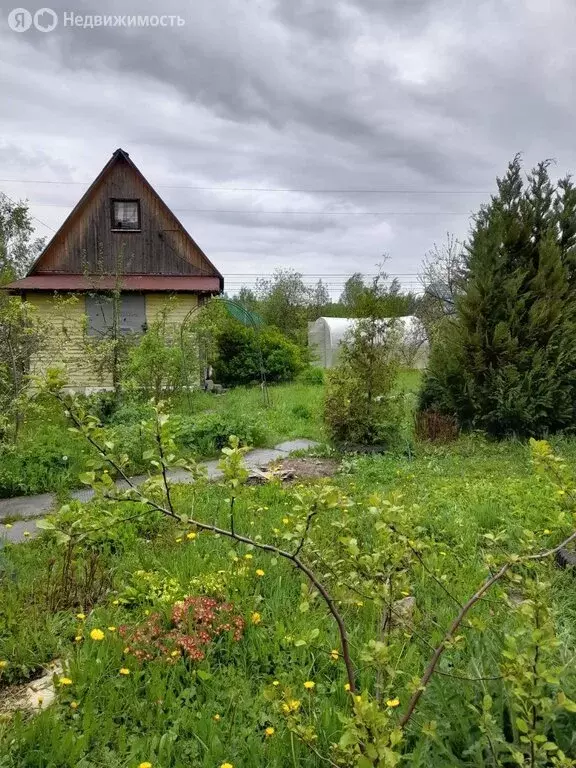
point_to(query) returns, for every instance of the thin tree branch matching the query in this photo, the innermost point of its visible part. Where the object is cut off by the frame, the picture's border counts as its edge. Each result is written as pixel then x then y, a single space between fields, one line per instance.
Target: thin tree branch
pixel 430 669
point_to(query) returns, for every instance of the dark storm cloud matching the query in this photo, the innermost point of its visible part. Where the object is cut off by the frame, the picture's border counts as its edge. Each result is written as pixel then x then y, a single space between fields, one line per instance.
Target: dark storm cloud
pixel 424 96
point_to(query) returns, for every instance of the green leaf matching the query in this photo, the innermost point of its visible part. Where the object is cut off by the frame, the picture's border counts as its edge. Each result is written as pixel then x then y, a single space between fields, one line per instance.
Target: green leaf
pixel 522 725
pixel 569 705
pixel 87 478
pixel 45 525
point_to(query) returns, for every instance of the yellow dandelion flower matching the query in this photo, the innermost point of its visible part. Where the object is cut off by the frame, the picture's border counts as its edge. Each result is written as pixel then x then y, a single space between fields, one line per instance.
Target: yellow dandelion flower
pixel 97 634
pixel 309 685
pixel 178 540
pixel 26 533
pixel 216 718
pixel 73 705
pixel 65 681
pixel 547 531
pixel 81 616
pixel 124 671
pixel 256 618
pixel 111 629
pixel 248 556
pixel 126 650
pixel 175 653
pixel 78 638
pixel 285 520
pixel 145 765
pixel 347 687
pixel 115 602
pixel 334 654
pixel 8 525
pixel 292 705
pixel 393 703
pixel 3 664
pixel 226 765
pixel 269 731
pixel 259 572
pixel 276 683
pixel 192 535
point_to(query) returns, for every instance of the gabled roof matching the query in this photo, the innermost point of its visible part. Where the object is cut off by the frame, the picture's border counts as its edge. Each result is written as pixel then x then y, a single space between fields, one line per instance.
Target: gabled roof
pixel 52 254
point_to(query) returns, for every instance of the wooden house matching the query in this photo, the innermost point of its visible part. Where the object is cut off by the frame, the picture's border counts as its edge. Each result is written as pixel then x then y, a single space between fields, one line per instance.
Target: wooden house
pixel 121 238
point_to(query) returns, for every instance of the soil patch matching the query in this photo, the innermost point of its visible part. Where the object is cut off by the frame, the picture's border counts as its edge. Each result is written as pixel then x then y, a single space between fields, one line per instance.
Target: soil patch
pixel 289 470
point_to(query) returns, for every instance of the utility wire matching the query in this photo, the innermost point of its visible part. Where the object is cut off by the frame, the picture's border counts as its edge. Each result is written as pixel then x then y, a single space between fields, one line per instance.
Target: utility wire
pixel 291 213
pixel 279 189
pixel 33 217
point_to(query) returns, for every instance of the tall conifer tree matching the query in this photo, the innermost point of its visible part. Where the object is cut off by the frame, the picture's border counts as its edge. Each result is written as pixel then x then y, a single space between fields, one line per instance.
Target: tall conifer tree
pixel 506 362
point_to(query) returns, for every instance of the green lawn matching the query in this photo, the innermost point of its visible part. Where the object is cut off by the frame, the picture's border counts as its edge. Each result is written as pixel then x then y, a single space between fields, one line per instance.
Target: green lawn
pixel 456 505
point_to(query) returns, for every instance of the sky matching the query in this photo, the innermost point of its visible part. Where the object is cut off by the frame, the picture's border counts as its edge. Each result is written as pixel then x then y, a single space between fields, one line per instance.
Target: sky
pixel 316 135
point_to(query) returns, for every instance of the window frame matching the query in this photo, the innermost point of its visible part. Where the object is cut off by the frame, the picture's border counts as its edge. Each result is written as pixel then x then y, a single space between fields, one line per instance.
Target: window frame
pixel 113 202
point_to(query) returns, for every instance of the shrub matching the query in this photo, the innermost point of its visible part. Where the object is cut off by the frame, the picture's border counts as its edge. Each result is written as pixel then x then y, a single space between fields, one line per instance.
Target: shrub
pixel 195 623
pixel 311 375
pixel 360 407
pixel 302 411
pixel 208 433
pixel 243 351
pixel 158 363
pixel 48 459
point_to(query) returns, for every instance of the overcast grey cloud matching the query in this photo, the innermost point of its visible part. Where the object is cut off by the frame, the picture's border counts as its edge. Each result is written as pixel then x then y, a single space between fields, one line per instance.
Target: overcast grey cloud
pixel 423 100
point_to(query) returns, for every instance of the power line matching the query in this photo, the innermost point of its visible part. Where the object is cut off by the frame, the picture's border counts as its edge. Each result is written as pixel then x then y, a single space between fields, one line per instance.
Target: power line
pixel 33 217
pixel 278 189
pixel 293 213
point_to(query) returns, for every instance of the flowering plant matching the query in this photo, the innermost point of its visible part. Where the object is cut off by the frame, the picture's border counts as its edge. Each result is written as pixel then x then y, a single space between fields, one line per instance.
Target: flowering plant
pixel 195 623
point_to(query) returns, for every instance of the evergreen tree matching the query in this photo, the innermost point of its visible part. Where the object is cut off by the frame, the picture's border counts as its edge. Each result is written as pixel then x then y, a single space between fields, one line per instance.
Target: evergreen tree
pixel 506 361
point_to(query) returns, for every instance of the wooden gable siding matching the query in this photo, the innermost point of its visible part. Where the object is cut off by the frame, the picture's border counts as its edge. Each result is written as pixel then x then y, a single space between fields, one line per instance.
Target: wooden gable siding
pixel 87 243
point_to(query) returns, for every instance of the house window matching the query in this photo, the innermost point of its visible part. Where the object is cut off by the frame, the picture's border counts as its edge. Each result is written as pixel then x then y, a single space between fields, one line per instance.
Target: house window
pixel 126 215
pixel 100 312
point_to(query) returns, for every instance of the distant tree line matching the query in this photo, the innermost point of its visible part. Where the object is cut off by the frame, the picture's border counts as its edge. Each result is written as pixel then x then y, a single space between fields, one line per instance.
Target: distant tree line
pixel 287 303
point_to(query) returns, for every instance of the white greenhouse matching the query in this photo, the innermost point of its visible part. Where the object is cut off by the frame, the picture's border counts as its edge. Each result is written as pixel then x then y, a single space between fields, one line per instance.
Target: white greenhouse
pixel 327 333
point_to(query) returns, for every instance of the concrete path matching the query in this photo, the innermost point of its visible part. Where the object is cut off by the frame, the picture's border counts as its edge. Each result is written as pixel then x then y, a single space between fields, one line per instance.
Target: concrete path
pixel 25 510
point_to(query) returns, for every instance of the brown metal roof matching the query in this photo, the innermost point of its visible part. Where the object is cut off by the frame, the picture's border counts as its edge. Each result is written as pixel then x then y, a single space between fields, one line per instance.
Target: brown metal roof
pixel 46 282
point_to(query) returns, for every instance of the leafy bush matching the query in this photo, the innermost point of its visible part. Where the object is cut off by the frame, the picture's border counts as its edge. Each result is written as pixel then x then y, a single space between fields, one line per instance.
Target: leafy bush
pixel 131 412
pixel 158 363
pixel 209 432
pixel 302 411
pixel 48 459
pixel 311 375
pixel 243 351
pixel 360 406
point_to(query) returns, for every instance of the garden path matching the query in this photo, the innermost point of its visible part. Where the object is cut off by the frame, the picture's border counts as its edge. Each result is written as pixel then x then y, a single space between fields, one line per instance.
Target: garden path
pixel 25 510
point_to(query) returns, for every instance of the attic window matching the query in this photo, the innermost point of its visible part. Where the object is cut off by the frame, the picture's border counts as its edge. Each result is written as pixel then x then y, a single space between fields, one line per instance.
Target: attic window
pixel 126 215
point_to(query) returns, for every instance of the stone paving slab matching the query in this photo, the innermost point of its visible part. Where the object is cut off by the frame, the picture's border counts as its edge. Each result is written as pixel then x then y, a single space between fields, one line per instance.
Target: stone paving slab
pixel 297 445
pixel 34 507
pixel 26 506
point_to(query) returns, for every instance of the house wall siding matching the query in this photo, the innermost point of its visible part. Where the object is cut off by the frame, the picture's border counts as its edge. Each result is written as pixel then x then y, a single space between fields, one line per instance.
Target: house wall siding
pixel 65 348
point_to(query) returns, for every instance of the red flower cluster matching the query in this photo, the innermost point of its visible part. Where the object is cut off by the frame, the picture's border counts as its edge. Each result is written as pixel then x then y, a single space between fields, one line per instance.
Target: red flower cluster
pixel 195 623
